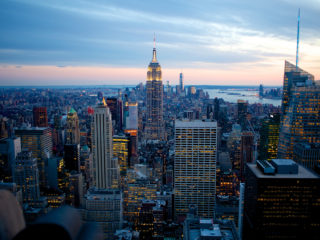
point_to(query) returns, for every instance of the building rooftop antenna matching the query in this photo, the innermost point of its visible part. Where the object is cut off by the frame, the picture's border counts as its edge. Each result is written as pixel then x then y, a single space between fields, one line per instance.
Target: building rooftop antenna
pixel 298 35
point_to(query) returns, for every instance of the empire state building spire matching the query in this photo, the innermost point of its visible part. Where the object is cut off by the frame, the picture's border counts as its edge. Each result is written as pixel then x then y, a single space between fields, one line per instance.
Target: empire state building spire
pixel 154 56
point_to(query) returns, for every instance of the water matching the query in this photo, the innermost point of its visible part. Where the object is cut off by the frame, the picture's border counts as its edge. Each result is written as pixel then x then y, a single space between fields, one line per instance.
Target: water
pixel 232 95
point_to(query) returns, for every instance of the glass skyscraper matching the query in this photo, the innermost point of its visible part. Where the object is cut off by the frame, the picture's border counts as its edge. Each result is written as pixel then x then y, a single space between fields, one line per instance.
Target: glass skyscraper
pixel 300 119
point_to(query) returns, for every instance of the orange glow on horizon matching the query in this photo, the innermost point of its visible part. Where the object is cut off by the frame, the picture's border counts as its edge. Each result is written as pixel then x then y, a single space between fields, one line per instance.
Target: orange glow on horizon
pixel 238 74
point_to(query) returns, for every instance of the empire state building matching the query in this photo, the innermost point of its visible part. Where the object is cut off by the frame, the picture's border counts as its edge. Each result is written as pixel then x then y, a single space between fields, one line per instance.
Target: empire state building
pixel 154 124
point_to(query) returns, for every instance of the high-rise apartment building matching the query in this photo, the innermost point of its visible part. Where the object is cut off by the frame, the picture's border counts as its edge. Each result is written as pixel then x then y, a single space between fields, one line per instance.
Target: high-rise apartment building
pixel 154 124
pixel 281 201
pixel 300 119
pixel 38 141
pixel 195 167
pixel 73 130
pixel 40 117
pixel 106 173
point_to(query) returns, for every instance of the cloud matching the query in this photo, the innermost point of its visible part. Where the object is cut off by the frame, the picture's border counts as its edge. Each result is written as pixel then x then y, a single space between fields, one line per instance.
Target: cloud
pixel 196 35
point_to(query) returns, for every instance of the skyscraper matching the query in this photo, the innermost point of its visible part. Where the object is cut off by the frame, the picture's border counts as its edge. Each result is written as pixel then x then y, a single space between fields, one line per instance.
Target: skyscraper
pixel 300 111
pixel 246 152
pixel 40 118
pixel 195 167
pixel 115 106
pixel 39 142
pixel 26 176
pixel 269 137
pixel 73 130
pixel 154 123
pixel 281 201
pixel 105 166
pixel 242 113
pixel 181 83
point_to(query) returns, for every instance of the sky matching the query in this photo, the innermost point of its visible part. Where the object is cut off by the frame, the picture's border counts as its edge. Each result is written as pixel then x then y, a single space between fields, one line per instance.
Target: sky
pixel 99 42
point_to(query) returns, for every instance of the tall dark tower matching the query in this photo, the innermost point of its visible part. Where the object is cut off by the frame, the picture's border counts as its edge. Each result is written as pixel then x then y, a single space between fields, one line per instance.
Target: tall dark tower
pixel 154 124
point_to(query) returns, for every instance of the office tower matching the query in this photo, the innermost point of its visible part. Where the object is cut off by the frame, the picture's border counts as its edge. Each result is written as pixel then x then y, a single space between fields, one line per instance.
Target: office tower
pixel 121 153
pixel 241 206
pixel 9 148
pixel 216 107
pixel 75 189
pixel 281 201
pixel 53 169
pixel 86 164
pixel 195 167
pixel 105 166
pixel 300 111
pixel 261 91
pixel 72 157
pixel 308 155
pixel 269 137
pixel 40 118
pixel 181 83
pixel 138 187
pixel 154 125
pixel 105 208
pixel 115 106
pixel 246 152
pixel 242 113
pixel 26 176
pixel 39 142
pixel 73 130
pixel 210 112
pixel 131 116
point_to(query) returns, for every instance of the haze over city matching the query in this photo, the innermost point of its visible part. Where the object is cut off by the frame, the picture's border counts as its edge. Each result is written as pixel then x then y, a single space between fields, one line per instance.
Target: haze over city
pixel 102 43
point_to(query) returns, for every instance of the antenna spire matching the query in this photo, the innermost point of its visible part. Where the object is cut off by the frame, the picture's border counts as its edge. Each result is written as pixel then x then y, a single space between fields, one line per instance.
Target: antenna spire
pixel 298 35
pixel 154 40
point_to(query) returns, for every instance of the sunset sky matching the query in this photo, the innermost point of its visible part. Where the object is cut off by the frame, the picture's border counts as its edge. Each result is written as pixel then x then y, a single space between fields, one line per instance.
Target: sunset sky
pixel 230 42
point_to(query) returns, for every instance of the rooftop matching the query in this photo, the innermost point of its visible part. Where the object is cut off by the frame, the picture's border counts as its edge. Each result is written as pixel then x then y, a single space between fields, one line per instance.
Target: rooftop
pixel 194 124
pixel 302 173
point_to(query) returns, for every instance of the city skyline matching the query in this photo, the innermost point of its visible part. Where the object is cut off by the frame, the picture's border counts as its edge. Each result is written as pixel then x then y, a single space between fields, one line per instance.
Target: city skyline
pixel 80 42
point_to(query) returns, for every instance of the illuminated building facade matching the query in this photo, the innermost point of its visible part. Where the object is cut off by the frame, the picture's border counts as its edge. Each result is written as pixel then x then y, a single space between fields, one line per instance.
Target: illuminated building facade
pixel 40 118
pixel 105 166
pixel 300 119
pixel 121 153
pixel 39 142
pixel 138 187
pixel 73 130
pixel 26 176
pixel 154 124
pixel 195 167
pixel 282 201
pixel 269 137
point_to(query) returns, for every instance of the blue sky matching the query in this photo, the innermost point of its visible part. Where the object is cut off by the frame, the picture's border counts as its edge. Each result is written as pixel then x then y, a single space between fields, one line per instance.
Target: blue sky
pixel 213 42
